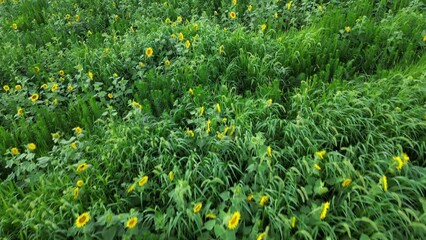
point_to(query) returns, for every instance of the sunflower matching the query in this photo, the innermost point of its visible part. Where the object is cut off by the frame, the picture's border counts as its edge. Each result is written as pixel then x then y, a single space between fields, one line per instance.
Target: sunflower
pixel 20 112
pixel 131 223
pixel 261 236
pixel 54 87
pixel 324 210
pixel 149 52
pixel 14 26
pixel 34 97
pixel 75 193
pixel 201 110
pixel 187 44
pixel 320 154
pixel 405 158
pixel 61 73
pixel 110 96
pixel 220 136
pixel 14 151
pixel 232 15
pixel 180 36
pixel 36 69
pixel 31 146
pixel 82 220
pixel 210 216
pixel 198 207
pixel 263 200
pixel 208 126
pixel 90 75
pixel 317 167
pixel 385 183
pixel 143 181
pixel 346 182
pixel 269 150
pixel 77 18
pixel 249 8
pixel 82 167
pixel 263 27
pixel 80 183
pixel 250 197
pixel 347 29
pixel 78 130
pixel 171 175
pixel 293 222
pixel 289 5
pixel 167 63
pixel 136 104
pixel 18 87
pixel 218 107
pixel 55 135
pixel 131 188
pixel 233 222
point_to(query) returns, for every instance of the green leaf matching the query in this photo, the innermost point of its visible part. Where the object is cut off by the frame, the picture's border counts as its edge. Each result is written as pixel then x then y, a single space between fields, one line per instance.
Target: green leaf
pixel 209 224
pixel 109 233
pixel 364 237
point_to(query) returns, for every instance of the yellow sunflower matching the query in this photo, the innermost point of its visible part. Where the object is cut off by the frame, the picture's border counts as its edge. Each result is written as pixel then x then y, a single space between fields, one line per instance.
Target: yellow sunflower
pixel 232 15
pixel 78 130
pixel 269 150
pixel 320 154
pixel 233 222
pixel 75 193
pixel 143 181
pixel 34 97
pixel 324 210
pixel 80 183
pixel 31 146
pixel 261 236
pixel 131 223
pixel 82 220
pixel 14 151
pixel 346 182
pixel 263 200
pixel 82 167
pixel 198 207
pixel 131 188
pixel 149 52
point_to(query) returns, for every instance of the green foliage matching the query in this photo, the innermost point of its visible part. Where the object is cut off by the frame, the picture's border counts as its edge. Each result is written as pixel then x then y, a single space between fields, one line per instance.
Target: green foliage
pixel 298 119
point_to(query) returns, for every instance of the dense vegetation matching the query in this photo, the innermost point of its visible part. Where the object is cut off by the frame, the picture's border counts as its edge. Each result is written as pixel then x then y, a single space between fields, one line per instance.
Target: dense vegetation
pixel 204 119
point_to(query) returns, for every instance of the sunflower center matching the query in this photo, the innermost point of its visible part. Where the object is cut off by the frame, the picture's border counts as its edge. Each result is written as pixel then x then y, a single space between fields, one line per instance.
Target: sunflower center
pixel 82 219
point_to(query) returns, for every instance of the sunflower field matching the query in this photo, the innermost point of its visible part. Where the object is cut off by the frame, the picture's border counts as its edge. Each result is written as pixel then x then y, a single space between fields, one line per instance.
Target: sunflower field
pixel 213 119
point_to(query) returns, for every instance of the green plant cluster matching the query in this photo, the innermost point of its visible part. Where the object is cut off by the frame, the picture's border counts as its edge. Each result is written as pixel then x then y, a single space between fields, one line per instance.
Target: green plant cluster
pixel 236 119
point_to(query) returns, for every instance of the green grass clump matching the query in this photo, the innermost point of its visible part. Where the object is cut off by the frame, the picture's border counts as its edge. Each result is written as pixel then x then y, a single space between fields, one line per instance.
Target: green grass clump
pixel 175 120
